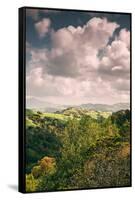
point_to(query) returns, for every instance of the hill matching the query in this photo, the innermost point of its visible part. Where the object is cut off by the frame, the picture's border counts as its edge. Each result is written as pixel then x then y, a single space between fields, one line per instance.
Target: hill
pixel 105 107
pixel 79 112
pixel 43 106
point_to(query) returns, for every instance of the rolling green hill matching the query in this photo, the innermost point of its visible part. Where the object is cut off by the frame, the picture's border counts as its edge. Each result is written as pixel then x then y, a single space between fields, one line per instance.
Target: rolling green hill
pixel 78 112
pixel 65 114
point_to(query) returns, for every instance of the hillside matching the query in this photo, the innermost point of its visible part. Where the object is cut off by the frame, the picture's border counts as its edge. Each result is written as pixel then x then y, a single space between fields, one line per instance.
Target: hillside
pixel 69 113
pixel 79 112
pixel 77 148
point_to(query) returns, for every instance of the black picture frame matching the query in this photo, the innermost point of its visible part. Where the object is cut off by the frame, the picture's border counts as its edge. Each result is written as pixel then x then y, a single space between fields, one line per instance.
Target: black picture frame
pixel 22 97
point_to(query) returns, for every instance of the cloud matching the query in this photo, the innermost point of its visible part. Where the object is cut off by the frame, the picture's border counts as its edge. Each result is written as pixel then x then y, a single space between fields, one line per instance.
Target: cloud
pixel 72 70
pixel 35 13
pixel 75 49
pixel 43 27
pixel 122 85
pixel 38 84
pixel 114 67
pixel 95 33
pixel 124 36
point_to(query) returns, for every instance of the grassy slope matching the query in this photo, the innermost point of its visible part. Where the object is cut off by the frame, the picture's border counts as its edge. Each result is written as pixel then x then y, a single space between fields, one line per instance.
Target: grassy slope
pixel 77 113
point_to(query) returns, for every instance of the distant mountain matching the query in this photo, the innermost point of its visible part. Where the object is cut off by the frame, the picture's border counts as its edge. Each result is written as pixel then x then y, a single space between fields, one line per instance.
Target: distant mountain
pixel 106 107
pixel 36 104
pixel 44 106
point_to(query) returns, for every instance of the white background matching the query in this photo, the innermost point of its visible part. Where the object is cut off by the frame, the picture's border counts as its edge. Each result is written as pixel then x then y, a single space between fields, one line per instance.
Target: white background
pixel 9 99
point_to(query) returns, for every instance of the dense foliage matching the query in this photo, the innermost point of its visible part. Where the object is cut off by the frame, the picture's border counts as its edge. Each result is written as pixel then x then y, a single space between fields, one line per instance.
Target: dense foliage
pixel 75 149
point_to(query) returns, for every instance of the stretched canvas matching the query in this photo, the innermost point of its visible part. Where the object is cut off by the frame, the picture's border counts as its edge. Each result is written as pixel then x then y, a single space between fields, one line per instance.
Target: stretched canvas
pixel 74 99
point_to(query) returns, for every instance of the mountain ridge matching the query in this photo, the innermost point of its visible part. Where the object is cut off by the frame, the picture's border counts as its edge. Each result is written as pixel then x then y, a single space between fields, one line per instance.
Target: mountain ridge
pixel 50 107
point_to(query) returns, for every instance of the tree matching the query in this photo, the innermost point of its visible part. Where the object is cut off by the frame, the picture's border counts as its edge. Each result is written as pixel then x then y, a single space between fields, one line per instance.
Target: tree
pixel 31 183
pixel 47 165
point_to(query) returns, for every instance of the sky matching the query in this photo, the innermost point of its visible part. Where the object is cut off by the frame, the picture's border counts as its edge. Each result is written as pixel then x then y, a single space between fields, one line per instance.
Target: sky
pixel 79 57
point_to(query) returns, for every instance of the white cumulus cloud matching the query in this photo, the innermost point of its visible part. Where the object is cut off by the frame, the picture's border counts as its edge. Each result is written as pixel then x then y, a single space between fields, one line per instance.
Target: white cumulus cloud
pixel 43 26
pixel 72 70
